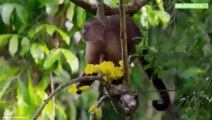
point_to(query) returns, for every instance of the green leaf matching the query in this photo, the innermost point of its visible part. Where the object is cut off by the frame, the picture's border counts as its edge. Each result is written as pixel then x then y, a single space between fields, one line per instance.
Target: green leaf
pixel 160 4
pixel 6 78
pixel 194 71
pixel 81 16
pixel 5 85
pixel 50 29
pixel 60 2
pixel 207 49
pixel 52 8
pixel 22 14
pixel 4 39
pixel 32 93
pixel 61 111
pixel 52 57
pixel 70 11
pixel 48 109
pixel 144 17
pixel 164 17
pixel 64 36
pixel 71 59
pixel 73 110
pixel 21 93
pixel 25 46
pixel 35 30
pixel 13 45
pixel 38 51
pixel 44 82
pixel 39 28
pixel 7 12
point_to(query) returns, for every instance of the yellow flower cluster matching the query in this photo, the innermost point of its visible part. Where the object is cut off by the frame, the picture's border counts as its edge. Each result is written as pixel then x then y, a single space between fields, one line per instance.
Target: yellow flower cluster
pixel 96 110
pixel 107 68
pixel 74 89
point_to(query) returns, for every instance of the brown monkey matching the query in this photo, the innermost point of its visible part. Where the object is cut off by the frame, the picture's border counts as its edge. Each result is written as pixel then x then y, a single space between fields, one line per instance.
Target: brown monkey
pixel 103 39
pixel 103 43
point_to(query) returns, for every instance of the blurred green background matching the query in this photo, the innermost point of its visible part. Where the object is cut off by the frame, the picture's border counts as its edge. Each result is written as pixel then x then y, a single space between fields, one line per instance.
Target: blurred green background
pixel 40 42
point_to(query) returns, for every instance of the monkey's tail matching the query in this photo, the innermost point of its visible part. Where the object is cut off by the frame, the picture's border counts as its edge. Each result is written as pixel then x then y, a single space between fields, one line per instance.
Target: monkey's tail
pixel 164 101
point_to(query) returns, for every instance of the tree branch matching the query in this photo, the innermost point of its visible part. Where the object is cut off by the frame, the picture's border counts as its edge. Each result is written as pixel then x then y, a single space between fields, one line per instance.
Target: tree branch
pixel 123 39
pixel 130 8
pixel 100 101
pixel 100 10
pixel 53 100
pixel 59 88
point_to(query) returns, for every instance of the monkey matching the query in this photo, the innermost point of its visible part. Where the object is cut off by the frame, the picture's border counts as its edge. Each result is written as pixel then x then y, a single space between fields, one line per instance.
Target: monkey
pixel 102 40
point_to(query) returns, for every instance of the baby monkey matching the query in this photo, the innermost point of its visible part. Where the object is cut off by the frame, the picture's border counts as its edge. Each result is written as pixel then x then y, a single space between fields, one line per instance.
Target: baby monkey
pixel 103 44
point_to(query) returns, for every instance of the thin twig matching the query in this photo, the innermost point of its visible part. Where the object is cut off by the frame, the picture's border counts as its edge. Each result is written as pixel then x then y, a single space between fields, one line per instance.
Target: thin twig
pixel 150 91
pixel 59 88
pixel 123 39
pixel 101 100
pixel 53 99
pixel 92 116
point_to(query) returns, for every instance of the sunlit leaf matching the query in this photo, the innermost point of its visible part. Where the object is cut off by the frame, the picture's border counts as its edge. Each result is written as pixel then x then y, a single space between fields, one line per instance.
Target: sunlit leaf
pixel 38 51
pixel 164 17
pixel 193 72
pixel 48 109
pixel 21 93
pixel 52 57
pixel 6 79
pixel 13 45
pixel 5 86
pixel 144 17
pixel 160 4
pixel 64 36
pixel 4 39
pixel 80 16
pixel 52 8
pixel 25 46
pixel 72 60
pixel 70 11
pixel 60 2
pixel 7 12
pixel 33 101
pixel 50 29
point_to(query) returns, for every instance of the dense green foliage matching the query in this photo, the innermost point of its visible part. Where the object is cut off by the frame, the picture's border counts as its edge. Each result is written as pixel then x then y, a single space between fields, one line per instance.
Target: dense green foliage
pixel 40 42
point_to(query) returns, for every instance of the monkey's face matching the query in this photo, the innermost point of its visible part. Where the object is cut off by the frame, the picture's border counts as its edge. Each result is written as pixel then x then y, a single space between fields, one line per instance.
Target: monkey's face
pixel 87 34
pixel 92 30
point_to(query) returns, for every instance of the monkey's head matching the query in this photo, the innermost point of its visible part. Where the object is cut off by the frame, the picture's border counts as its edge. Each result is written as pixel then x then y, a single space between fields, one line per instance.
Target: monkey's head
pixel 93 30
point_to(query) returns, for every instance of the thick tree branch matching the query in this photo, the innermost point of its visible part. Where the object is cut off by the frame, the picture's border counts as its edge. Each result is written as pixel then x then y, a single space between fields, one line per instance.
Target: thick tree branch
pixel 130 8
pixel 59 88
